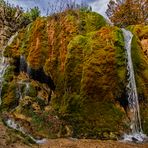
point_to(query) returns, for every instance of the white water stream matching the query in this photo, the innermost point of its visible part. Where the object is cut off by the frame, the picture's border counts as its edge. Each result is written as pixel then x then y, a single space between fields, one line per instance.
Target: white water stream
pixel 12 124
pixel 135 124
pixel 4 63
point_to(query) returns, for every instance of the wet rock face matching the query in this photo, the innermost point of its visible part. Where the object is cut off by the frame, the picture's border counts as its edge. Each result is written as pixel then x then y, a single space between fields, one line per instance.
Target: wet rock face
pixel 83 61
pixel 39 75
pixel 123 100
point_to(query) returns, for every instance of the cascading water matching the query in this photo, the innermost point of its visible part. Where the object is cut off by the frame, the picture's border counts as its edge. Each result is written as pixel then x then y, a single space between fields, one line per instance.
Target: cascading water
pixel 3 66
pixel 4 63
pixel 23 64
pixel 23 68
pixel 135 125
pixel 12 124
pixel 20 85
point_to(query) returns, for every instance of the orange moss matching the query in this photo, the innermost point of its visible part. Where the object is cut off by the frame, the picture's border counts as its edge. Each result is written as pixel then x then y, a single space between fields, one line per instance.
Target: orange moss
pixel 36 56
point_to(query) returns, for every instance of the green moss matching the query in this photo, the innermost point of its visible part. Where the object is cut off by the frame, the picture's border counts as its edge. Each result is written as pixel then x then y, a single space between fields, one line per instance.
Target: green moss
pixel 90 21
pixel 32 92
pixel 91 79
pixel 135 53
pixel 8 76
pixel 120 61
pixel 10 99
pixel 86 60
pixel 141 31
pixel 96 120
pixel 77 49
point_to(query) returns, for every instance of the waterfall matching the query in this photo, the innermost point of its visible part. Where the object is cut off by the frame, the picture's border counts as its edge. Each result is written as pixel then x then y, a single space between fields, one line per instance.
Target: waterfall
pixel 21 83
pixel 23 64
pixel 20 90
pixel 23 68
pixel 3 66
pixel 27 86
pixel 11 39
pixel 4 63
pixel 12 124
pixel 135 124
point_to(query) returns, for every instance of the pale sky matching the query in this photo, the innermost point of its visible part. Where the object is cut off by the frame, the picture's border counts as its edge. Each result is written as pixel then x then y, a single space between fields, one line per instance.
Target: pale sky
pixel 99 6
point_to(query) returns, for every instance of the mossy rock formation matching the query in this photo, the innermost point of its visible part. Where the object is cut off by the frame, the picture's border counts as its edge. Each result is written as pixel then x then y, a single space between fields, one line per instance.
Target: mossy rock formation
pixel 85 59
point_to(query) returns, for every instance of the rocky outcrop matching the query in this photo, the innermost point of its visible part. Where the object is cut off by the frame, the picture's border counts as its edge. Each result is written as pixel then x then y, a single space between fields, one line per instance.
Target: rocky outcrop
pixel 83 61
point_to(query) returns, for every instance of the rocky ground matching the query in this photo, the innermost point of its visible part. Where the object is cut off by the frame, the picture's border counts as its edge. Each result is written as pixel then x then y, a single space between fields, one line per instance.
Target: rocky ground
pixel 69 143
pixel 11 139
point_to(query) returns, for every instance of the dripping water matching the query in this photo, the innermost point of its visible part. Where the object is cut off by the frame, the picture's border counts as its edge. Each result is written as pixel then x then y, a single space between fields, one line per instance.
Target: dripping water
pixel 4 63
pixel 135 123
pixel 27 86
pixel 23 68
pixel 21 92
pixel 23 65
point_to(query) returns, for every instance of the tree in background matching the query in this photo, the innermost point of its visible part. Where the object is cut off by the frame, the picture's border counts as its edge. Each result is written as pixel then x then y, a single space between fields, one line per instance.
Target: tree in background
pixel 14 17
pixel 128 12
pixel 30 16
pixel 62 5
pixel 33 13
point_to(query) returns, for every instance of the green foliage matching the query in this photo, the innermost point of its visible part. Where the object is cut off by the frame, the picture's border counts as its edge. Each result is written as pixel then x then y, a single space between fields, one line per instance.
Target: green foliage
pixel 15 18
pixel 31 15
pixel 86 60
pixel 9 99
pixel 11 14
pixel 8 76
pixel 128 12
pixel 34 13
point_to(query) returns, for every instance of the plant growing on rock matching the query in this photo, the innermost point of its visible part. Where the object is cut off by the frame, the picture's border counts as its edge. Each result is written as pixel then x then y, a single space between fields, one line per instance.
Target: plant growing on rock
pixel 128 12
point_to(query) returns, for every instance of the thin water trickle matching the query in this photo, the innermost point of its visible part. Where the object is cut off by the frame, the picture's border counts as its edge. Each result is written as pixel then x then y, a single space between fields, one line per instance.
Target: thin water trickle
pixel 23 65
pixel 12 124
pixel 4 63
pixel 27 86
pixel 24 92
pixel 135 124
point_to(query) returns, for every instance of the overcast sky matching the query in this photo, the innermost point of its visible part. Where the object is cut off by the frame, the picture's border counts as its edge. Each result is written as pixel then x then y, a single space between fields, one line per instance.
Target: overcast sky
pixel 97 5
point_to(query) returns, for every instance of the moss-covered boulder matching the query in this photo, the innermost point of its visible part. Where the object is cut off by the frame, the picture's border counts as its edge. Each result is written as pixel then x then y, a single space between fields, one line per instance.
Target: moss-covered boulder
pixel 85 60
